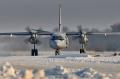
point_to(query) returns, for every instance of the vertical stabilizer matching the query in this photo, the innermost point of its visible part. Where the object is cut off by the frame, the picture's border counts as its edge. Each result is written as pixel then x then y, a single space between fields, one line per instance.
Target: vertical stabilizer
pixel 60 26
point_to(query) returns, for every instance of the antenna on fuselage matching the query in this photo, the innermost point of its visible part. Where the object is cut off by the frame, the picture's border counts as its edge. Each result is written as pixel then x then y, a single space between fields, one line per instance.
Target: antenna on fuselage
pixel 60 26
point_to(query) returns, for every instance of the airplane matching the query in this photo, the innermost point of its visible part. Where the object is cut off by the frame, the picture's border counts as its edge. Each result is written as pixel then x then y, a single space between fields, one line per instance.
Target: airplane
pixel 58 40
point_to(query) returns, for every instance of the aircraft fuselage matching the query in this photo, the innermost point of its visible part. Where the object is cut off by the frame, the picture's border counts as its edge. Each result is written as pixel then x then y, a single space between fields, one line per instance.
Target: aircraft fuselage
pixel 59 41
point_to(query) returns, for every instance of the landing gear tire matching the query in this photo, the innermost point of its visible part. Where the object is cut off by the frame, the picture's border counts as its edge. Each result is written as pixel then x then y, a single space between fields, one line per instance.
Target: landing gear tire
pixel 82 51
pixel 57 52
pixel 34 52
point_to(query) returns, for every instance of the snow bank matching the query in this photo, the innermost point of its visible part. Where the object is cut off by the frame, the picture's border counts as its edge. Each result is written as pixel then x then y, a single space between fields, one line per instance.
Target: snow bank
pixel 57 72
pixel 8 71
pixel 89 73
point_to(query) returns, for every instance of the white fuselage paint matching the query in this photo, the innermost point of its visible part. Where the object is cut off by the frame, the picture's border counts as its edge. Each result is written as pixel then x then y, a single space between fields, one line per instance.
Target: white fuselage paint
pixel 59 41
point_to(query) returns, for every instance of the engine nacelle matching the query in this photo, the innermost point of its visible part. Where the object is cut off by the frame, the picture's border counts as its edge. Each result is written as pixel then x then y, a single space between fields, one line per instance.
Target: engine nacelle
pixel 83 39
pixel 34 39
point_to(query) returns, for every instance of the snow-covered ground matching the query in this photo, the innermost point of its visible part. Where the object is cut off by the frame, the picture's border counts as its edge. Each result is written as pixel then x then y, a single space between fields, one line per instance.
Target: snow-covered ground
pixel 69 65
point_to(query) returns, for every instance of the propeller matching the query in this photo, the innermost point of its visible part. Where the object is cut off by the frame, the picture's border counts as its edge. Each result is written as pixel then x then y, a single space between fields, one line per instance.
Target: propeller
pixel 82 37
pixel 27 40
pixel 80 31
pixel 82 34
pixel 31 39
pixel 38 30
pixel 28 29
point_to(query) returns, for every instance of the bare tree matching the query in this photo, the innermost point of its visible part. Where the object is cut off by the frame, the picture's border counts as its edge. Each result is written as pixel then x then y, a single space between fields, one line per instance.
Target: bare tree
pixel 115 27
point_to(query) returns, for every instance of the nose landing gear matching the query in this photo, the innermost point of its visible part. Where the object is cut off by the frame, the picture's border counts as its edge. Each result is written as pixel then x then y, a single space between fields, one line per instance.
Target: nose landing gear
pixel 57 52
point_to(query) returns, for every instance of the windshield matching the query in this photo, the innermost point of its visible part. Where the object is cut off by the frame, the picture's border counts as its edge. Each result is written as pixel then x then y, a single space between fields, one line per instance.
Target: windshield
pixel 57 38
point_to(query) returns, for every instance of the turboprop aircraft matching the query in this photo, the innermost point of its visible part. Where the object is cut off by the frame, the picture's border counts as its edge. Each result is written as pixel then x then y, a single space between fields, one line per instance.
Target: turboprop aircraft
pixel 58 40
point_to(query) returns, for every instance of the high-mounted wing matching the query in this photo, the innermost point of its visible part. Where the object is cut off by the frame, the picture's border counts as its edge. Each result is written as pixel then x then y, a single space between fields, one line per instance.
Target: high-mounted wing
pixel 93 33
pixel 73 33
pixel 16 33
pixel 110 33
pixel 44 33
pixel 25 33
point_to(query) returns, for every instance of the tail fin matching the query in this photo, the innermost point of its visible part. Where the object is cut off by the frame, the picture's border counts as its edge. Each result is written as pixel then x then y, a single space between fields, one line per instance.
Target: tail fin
pixel 60 26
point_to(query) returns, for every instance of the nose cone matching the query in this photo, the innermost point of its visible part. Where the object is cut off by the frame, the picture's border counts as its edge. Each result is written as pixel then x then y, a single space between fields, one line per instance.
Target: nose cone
pixel 61 44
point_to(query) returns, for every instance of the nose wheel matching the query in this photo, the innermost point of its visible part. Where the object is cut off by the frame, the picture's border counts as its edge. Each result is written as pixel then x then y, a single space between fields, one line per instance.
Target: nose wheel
pixel 57 52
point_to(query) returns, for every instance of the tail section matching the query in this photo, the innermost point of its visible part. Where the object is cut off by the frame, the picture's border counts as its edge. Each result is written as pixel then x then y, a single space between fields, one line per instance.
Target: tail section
pixel 60 26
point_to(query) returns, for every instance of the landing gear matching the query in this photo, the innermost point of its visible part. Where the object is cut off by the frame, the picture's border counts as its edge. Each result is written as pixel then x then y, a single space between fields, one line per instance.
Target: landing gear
pixel 82 51
pixel 57 52
pixel 34 52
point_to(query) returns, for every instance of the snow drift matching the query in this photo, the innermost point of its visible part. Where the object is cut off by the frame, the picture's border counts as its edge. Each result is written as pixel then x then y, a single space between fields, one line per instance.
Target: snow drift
pixel 57 72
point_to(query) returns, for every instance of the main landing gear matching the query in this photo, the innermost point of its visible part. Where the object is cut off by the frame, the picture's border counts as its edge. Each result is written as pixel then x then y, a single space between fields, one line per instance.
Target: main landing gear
pixel 83 49
pixel 34 52
pixel 57 52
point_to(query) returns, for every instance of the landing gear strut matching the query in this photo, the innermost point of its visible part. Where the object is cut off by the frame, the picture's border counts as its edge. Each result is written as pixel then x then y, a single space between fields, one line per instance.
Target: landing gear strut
pixel 83 49
pixel 34 52
pixel 57 52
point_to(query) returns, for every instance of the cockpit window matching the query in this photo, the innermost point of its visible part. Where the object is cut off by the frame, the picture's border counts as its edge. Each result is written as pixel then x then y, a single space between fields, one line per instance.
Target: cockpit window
pixel 57 38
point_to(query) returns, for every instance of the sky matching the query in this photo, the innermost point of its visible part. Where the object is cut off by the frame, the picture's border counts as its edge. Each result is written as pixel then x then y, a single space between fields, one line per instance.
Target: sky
pixel 15 15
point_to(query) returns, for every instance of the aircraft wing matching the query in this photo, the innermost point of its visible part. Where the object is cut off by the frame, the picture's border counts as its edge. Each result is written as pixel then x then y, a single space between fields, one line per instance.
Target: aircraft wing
pixel 16 33
pixel 73 33
pixel 24 33
pixel 111 33
pixel 41 32
pixel 44 33
pixel 93 33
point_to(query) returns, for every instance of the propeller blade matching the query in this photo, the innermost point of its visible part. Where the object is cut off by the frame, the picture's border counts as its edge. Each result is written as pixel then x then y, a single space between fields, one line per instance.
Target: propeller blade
pixel 38 30
pixel 75 37
pixel 28 29
pixel 80 29
pixel 27 40
pixel 39 43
